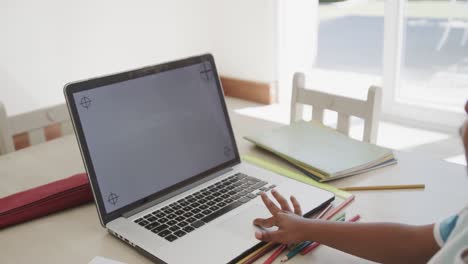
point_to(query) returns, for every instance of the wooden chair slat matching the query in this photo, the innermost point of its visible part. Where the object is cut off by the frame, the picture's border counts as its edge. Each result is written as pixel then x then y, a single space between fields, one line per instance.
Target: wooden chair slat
pixel 36 136
pixel 343 123
pixel 66 127
pixel 317 114
pixel 369 110
pixel 33 124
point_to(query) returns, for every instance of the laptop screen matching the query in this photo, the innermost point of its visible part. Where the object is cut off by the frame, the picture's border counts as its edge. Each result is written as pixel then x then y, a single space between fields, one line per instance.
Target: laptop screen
pixel 146 134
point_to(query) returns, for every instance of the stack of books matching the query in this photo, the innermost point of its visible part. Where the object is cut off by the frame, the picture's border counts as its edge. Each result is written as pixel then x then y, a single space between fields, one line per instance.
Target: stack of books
pixel 322 153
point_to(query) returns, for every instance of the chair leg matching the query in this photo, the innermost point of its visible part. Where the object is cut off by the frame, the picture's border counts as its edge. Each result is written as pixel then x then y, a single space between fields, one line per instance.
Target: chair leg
pixel 465 37
pixel 448 27
pixel 444 37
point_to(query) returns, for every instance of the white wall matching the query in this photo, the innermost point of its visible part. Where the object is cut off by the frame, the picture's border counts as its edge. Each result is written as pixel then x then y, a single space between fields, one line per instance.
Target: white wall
pixel 45 44
pixel 297 42
pixel 244 38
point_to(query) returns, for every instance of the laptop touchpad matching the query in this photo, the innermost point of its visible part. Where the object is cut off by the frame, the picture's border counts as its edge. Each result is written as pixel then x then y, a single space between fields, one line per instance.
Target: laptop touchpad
pixel 242 223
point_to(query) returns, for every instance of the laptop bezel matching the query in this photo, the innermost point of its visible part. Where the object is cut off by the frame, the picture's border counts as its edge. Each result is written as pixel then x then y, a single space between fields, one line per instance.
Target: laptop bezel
pixel 96 83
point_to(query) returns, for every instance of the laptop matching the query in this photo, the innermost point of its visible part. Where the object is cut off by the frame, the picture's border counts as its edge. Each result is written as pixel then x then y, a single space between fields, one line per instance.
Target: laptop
pixel 165 171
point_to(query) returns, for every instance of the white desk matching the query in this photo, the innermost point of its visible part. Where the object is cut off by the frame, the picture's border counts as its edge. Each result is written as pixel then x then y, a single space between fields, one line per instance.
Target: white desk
pixel 76 236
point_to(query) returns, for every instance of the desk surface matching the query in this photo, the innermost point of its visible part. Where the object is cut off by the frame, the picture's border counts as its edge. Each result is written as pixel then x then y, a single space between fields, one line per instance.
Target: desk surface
pixel 76 236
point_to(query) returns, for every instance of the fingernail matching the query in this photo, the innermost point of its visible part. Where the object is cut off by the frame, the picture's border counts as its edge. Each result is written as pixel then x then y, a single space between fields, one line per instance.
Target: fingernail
pixel 258 235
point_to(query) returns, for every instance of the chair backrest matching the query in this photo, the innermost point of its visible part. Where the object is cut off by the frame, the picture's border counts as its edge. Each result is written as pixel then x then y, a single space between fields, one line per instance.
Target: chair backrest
pixel 33 123
pixel 346 107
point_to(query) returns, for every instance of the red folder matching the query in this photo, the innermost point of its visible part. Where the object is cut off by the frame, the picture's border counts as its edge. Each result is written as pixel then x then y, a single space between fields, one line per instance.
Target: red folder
pixel 45 199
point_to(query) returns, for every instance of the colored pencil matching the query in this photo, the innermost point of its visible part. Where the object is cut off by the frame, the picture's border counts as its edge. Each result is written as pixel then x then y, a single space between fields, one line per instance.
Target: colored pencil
pixel 296 250
pixel 305 244
pixel 311 247
pixel 263 250
pixel 275 254
pixel 316 244
pixel 340 207
pixel 341 218
pixel 329 215
pixel 324 211
pixel 338 216
pixel 354 218
pixel 257 253
pixel 268 247
pixel 384 187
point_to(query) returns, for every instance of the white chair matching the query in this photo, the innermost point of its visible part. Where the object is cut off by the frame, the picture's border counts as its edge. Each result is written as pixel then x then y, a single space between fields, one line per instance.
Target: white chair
pixel 368 110
pixel 33 123
pixel 455 23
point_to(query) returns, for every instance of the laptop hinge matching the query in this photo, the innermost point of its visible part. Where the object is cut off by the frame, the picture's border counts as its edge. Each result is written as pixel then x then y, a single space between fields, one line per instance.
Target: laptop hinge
pixel 175 193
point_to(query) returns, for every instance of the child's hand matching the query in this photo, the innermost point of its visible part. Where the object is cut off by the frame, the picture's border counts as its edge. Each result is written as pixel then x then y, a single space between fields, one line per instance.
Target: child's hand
pixel 290 224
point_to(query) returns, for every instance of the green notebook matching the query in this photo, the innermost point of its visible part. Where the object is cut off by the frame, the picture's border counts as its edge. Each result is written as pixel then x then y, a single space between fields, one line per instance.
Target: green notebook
pixel 321 152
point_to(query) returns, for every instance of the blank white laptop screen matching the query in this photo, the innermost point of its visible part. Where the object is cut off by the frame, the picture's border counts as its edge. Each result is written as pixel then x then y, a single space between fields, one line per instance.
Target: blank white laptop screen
pixel 149 133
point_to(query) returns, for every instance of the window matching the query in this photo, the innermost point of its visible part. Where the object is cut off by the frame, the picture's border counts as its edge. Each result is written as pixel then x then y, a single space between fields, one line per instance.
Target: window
pixel 416 49
pixel 426 63
pixel 435 55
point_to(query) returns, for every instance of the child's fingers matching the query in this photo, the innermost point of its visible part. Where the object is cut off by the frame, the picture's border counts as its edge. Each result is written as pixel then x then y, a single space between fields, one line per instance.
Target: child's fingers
pixel 296 205
pixel 267 223
pixel 269 204
pixel 267 236
pixel 281 200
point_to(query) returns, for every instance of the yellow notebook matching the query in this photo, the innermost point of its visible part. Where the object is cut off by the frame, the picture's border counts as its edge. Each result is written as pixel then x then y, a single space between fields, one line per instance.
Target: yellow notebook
pixel 321 152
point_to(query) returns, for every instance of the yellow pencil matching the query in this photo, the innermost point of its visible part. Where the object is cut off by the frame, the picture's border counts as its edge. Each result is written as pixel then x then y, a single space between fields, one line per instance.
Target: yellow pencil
pixel 384 187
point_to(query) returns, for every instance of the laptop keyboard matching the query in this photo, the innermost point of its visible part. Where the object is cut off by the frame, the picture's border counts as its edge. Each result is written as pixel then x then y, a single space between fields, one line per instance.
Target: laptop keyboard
pixel 195 210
